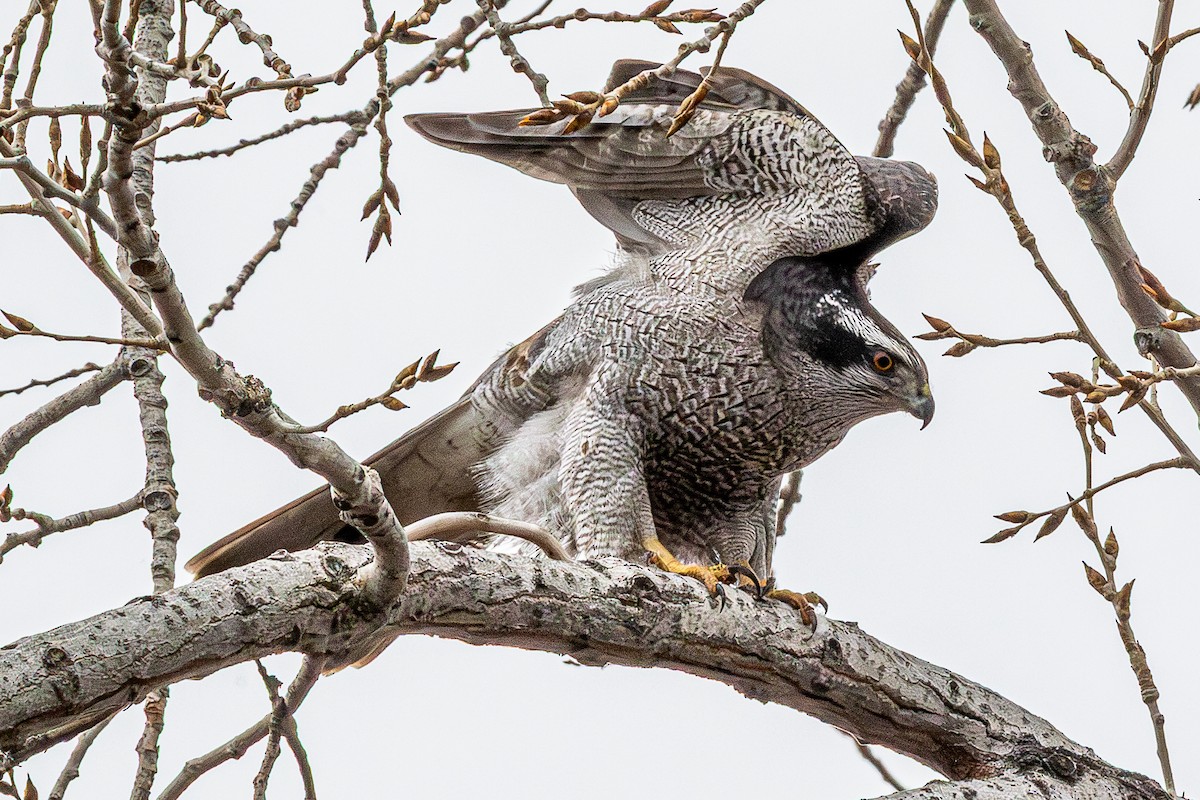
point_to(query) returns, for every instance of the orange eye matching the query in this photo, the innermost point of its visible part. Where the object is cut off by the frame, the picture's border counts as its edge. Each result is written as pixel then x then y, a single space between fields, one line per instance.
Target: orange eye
pixel 883 362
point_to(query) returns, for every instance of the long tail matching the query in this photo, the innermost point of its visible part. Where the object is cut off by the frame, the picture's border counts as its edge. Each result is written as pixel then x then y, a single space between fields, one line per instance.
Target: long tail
pixel 425 472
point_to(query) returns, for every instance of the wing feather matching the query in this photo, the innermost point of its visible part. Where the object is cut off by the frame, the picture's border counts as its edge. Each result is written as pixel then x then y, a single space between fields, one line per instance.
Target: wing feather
pixel 747 137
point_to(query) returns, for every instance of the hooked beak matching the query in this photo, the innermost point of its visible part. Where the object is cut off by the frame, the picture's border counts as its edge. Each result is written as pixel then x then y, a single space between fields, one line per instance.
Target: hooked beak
pixel 920 405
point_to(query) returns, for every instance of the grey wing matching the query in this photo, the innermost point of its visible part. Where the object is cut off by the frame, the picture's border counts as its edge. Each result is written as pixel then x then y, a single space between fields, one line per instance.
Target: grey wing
pixel 746 138
pixel 427 471
pixel 904 194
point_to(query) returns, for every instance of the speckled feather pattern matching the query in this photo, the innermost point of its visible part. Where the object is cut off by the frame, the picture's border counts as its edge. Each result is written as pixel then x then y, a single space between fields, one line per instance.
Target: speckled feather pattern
pixel 731 342
pixel 665 403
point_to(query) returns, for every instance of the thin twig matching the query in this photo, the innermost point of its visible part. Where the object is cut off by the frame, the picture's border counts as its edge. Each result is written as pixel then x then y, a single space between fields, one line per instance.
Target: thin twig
pixel 869 756
pixel 91 257
pixel 1139 118
pixel 75 373
pixel 87 393
pixel 292 735
pixel 1120 599
pixel 149 344
pixel 147 748
pixel 15 43
pixel 50 189
pixel 911 84
pixel 35 70
pixel 70 770
pixel 1091 191
pixel 236 747
pixel 47 526
pixel 350 117
pixel 969 341
pixel 274 730
pixel 518 62
pixel 357 130
pixel 247 35
pixel 1080 49
pixel 317 172
pixel 607 102
pixel 1025 518
pixel 387 191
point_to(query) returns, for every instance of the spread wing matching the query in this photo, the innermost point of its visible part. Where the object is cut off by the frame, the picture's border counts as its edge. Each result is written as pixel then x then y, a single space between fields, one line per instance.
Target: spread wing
pixel 746 138
pixel 427 471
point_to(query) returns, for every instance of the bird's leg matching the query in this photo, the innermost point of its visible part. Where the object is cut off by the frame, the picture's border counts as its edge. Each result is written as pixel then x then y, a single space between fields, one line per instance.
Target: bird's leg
pixel 711 576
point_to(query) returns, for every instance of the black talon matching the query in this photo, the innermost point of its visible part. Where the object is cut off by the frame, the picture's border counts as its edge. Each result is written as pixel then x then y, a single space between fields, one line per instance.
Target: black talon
pixel 748 574
pixel 720 595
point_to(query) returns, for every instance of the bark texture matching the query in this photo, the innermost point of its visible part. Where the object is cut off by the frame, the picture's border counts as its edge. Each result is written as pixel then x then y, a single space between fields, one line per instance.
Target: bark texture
pixel 55 684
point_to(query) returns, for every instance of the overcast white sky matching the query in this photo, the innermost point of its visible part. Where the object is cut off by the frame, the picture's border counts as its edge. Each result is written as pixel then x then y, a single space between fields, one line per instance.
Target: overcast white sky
pixel 889 527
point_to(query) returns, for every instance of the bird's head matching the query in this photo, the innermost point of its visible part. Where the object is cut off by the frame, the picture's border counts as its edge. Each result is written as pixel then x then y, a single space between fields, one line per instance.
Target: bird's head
pixel 820 326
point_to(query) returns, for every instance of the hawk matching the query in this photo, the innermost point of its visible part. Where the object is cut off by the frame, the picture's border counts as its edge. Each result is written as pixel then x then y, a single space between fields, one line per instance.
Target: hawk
pixel 732 342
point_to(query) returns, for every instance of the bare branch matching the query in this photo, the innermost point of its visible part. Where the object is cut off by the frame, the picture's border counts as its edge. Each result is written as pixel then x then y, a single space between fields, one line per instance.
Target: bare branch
pixel 1080 49
pixel 912 83
pixel 344 143
pixel 22 165
pixel 87 393
pixel 1090 187
pixel 236 747
pixel 350 117
pixel 6 333
pixel 996 184
pixel 247 35
pixel 518 62
pixel 357 130
pixel 1140 115
pixel 70 770
pixel 869 756
pixel 91 258
pixel 14 46
pixel 835 672
pixel 47 526
pixel 74 373
pixel 147 747
pixel 35 70
pixel 1025 518
pixel 274 731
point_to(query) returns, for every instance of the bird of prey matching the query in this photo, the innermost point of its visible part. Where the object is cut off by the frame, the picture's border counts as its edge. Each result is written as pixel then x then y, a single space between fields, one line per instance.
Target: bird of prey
pixel 732 342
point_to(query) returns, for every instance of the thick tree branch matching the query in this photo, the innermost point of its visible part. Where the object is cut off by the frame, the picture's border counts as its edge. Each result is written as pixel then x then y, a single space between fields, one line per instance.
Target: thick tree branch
pixel 55 684
pixel 1068 786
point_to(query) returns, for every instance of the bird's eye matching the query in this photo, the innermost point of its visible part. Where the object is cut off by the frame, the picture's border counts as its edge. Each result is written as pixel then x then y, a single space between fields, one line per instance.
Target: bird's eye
pixel 883 362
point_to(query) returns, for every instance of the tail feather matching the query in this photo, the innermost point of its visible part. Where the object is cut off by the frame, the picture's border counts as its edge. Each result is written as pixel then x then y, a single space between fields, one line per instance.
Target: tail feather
pixel 427 471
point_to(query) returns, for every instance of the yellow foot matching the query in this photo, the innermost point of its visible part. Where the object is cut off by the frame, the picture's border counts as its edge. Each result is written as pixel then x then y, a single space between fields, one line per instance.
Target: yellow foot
pixel 801 602
pixel 711 576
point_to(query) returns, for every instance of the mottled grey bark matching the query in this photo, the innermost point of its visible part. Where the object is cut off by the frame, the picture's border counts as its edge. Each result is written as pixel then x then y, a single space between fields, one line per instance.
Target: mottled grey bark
pixel 55 684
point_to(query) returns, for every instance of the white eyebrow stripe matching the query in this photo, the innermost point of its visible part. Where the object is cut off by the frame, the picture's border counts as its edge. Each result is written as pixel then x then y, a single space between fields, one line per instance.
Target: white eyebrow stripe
pixel 851 318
